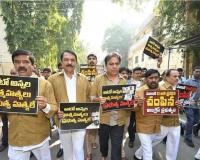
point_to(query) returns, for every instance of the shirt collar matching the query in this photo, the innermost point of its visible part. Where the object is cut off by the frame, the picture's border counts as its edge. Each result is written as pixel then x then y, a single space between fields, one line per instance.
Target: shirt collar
pixel 73 76
pixel 168 85
pixel 119 76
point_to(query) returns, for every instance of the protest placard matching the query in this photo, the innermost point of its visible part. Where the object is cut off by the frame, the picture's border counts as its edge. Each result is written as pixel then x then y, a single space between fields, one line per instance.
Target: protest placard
pixel 118 97
pixel 17 94
pixel 91 71
pixel 185 93
pixel 153 48
pixel 80 116
pixel 160 102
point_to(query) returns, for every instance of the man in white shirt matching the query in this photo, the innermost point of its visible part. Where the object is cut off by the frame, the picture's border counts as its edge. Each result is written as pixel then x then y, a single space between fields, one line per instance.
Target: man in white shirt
pixel 73 87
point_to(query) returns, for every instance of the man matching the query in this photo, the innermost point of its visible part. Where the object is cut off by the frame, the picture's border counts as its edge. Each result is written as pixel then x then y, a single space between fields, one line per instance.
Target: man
pixel 4 118
pixel 46 73
pixel 147 127
pixel 59 66
pixel 144 70
pixel 192 111
pixel 112 123
pixel 73 87
pixel 170 124
pixel 136 76
pixel 182 79
pixel 92 59
pixel 33 129
pixel 123 71
pixel 91 134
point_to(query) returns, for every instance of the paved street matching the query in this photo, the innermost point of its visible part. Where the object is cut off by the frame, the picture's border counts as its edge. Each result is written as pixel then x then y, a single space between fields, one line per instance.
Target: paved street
pixel 185 152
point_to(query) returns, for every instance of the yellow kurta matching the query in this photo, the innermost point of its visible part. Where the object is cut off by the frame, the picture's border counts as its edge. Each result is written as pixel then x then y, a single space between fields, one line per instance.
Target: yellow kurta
pixel 26 130
pixel 96 91
pixel 146 124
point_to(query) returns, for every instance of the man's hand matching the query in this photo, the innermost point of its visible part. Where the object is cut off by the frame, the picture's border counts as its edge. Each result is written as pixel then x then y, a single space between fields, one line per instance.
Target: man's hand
pixel 139 101
pixel 101 100
pixel 42 101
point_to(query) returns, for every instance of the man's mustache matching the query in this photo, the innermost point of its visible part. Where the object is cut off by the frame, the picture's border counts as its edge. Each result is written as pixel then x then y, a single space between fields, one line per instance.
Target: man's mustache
pixel 69 65
pixel 22 69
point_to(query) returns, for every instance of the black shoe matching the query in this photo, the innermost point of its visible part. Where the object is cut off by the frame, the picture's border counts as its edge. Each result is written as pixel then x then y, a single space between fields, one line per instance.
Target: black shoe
pixel 195 130
pixel 60 153
pixel 136 158
pixel 189 143
pixel 130 144
pixel 3 147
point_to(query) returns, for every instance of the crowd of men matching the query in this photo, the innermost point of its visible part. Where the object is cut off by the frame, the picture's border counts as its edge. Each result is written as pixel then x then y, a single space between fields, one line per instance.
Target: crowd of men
pixel 67 85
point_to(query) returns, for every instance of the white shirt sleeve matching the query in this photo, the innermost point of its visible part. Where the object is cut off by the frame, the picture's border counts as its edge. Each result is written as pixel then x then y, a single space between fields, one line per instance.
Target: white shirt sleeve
pixel 46 109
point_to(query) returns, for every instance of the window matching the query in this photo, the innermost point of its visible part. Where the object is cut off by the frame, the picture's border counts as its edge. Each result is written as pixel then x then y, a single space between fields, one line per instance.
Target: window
pixel 136 59
pixel 142 57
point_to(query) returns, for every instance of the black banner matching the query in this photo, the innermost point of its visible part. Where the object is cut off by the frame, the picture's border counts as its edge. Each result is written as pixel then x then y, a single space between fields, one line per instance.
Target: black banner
pixel 17 94
pixel 118 97
pixel 91 71
pixel 80 116
pixel 153 48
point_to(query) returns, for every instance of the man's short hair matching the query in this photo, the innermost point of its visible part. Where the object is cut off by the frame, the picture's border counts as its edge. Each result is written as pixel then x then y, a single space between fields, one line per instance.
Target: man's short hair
pixel 70 52
pixel 180 69
pixel 121 69
pixel 91 55
pixel 23 52
pixel 144 69
pixel 168 72
pixel 136 69
pixel 149 72
pixel 196 67
pixel 46 69
pixel 110 55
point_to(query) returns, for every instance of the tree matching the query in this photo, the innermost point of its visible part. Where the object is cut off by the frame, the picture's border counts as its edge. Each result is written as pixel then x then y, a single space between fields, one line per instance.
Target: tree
pixel 118 38
pixel 72 11
pixel 42 27
pixel 179 20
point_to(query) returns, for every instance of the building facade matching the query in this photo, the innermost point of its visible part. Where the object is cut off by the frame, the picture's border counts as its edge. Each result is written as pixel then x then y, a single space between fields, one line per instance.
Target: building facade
pixel 171 58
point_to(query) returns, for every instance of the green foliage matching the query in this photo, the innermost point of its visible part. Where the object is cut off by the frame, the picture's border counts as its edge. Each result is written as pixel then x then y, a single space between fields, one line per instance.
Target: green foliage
pixel 44 27
pixel 179 20
pixel 174 23
pixel 118 38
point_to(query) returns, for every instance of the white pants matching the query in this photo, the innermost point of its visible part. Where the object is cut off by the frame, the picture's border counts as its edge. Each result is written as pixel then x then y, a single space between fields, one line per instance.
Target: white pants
pixel 145 150
pixel 173 138
pixel 72 142
pixel 61 147
pixel 197 155
pixel 41 153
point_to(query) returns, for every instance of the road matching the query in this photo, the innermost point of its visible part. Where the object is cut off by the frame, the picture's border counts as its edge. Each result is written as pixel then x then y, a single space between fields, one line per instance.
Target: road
pixel 185 152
